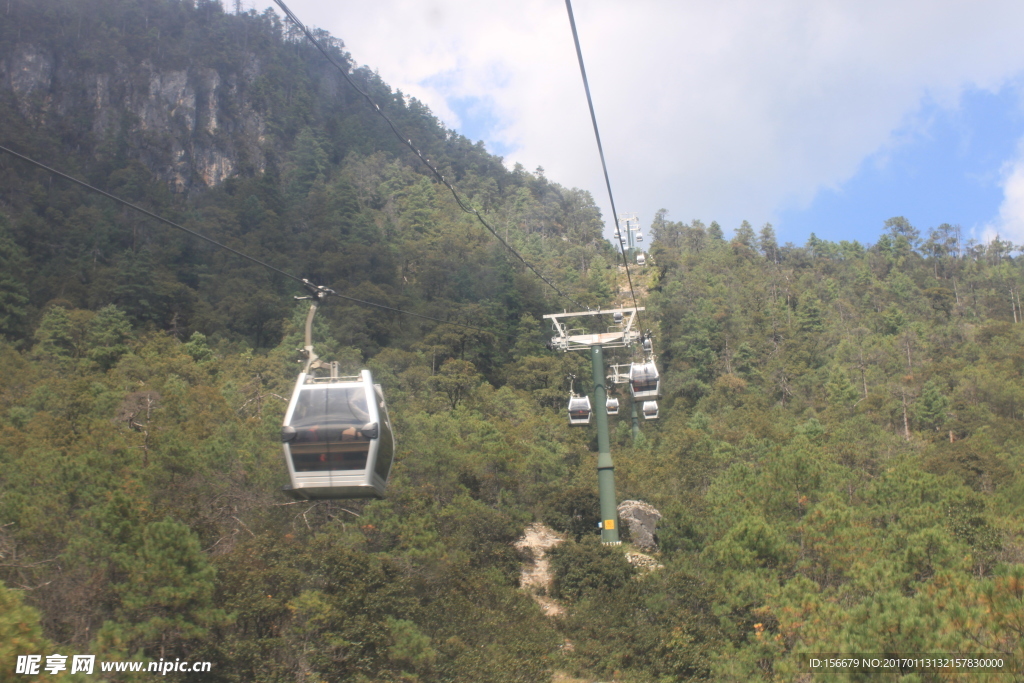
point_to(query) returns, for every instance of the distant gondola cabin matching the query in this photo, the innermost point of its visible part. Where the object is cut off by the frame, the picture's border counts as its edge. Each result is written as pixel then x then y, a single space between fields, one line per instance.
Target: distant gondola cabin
pixel 650 410
pixel 643 380
pixel 612 406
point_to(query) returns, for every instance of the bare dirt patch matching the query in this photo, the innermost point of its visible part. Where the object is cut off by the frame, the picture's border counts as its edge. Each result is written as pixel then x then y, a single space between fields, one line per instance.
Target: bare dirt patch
pixel 536 577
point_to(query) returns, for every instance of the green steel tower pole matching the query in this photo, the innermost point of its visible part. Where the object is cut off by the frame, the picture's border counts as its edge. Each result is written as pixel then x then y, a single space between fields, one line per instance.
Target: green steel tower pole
pixel 605 469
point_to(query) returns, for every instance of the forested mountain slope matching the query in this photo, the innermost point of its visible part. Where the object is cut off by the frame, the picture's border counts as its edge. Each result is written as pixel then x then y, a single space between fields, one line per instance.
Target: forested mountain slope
pixel 838 456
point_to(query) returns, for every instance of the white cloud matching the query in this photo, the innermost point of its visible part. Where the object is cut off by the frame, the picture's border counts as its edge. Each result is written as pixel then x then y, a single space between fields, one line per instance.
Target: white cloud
pixel 720 110
pixel 1009 225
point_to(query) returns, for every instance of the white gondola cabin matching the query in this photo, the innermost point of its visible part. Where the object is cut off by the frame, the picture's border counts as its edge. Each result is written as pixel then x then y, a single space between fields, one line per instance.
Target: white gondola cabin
pixel 639 237
pixel 579 410
pixel 650 410
pixel 643 380
pixel 612 406
pixel 641 260
pixel 337 437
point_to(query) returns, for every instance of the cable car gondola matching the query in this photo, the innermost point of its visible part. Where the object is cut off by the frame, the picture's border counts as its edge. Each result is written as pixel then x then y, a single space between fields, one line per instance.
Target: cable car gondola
pixel 579 410
pixel 639 237
pixel 650 410
pixel 612 406
pixel 337 438
pixel 641 260
pixel 337 435
pixel 643 380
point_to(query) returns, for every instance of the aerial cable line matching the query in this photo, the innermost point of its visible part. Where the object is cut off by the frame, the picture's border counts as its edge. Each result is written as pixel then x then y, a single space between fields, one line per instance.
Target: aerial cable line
pixel 193 233
pixel 600 150
pixel 426 162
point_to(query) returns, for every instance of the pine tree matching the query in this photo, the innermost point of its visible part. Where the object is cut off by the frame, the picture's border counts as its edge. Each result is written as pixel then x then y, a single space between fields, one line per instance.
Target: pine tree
pixel 106 336
pixel 310 162
pixel 931 409
pixel 767 244
pixel 455 380
pixel 20 635
pixel 167 601
pixel 745 234
pixel 810 316
pixel 14 293
pixel 55 336
pixel 840 391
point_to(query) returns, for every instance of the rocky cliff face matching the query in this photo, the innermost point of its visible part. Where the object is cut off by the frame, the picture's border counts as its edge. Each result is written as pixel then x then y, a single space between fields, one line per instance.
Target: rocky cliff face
pixel 192 128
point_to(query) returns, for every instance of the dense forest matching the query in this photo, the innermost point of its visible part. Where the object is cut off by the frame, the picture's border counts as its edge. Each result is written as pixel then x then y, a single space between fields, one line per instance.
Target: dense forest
pixel 837 459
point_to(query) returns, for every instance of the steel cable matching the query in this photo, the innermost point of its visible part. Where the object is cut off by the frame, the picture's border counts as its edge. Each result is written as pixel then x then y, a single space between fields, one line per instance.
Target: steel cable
pixel 408 143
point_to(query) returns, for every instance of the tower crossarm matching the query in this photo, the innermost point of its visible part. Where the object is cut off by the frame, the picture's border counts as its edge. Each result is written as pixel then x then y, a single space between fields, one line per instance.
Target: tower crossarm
pixel 577 338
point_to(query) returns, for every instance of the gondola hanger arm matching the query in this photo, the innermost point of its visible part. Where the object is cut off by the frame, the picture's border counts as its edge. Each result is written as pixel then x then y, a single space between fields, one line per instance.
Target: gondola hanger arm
pixel 318 294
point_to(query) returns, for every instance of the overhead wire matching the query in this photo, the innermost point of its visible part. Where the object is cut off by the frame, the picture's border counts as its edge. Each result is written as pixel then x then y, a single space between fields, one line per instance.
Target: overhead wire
pixel 419 155
pixel 193 233
pixel 600 150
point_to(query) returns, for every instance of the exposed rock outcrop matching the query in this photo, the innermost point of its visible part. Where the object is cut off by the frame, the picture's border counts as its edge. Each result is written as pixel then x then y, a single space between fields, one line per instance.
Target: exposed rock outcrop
pixel 536 575
pixel 641 519
pixel 645 562
pixel 192 128
pixel 29 74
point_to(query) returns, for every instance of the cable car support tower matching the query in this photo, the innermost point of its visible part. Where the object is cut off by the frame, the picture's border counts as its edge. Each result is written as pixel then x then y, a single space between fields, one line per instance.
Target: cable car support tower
pixel 622 334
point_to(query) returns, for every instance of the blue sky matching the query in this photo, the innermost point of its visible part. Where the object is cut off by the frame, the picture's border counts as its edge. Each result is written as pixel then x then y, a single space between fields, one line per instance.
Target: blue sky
pixel 945 166
pixel 479 121
pixel 824 116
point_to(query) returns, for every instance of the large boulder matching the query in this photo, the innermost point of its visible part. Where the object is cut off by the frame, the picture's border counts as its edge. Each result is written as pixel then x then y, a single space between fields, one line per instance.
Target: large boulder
pixel 641 519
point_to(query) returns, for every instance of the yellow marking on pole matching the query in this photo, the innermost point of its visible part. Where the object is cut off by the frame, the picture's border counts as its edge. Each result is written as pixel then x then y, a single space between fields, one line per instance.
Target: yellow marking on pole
pixel 609 524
